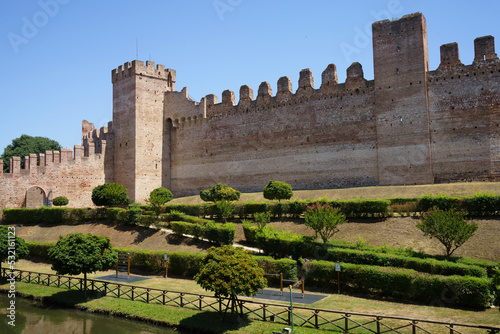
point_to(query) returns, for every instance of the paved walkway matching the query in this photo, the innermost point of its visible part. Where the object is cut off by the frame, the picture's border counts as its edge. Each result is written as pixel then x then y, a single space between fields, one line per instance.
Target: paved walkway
pixel 252 249
pixel 297 297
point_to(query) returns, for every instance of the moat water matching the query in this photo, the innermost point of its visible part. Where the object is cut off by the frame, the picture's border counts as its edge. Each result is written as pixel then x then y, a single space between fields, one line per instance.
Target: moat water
pixel 34 317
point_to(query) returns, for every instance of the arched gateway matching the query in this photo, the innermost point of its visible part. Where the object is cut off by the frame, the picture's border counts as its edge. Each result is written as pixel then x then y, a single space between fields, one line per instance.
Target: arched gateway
pixel 35 197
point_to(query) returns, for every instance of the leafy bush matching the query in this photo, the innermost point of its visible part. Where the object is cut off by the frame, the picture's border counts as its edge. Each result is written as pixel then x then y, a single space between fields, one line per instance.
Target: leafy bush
pixel 449 227
pixel 228 194
pixel 220 192
pixel 224 209
pixel 323 219
pixel 110 194
pixel 277 190
pixel 158 197
pixel 60 201
pixel 262 219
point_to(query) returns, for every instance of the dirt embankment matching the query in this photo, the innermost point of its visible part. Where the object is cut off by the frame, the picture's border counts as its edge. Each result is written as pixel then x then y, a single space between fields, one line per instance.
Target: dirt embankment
pixel 394 232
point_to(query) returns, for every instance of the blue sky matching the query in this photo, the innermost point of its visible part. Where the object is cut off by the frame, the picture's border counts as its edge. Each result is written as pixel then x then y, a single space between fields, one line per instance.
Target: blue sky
pixel 58 54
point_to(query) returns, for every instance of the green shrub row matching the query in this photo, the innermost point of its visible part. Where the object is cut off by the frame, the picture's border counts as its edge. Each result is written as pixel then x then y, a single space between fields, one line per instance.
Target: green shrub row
pixel 45 215
pixel 477 205
pixel 431 266
pixel 216 233
pixel 358 208
pixel 407 284
pixel 280 244
pixel 183 264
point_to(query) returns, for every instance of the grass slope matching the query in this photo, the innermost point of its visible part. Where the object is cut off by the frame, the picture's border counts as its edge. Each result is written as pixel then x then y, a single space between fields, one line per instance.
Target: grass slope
pixel 452 189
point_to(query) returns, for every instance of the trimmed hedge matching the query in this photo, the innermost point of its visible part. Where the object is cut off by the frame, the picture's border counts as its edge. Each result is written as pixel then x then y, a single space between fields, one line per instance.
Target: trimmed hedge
pixel 45 215
pixel 480 205
pixel 39 249
pixel 431 266
pixel 359 208
pixel 197 210
pixel 216 233
pixel 183 264
pixel 281 244
pixel 408 284
pixel 287 267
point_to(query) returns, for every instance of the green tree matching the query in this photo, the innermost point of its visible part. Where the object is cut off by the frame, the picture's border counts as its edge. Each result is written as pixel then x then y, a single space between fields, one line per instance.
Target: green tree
pixel 220 192
pixel 79 253
pixel 159 197
pixel 323 219
pixel 25 145
pixel 224 209
pixel 110 194
pixel 12 248
pixel 230 272
pixel 278 190
pixel 262 219
pixel 60 201
pixel 449 227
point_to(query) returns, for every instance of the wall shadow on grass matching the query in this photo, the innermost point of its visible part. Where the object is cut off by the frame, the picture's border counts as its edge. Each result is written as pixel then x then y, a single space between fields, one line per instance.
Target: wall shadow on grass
pixel 213 322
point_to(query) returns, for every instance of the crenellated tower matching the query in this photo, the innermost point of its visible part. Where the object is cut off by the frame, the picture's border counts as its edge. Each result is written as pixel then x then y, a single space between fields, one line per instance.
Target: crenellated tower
pixel 138 125
pixel 401 63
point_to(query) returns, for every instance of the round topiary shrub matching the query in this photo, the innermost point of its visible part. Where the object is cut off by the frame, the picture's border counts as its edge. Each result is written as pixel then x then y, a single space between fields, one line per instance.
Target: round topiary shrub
pixel 110 194
pixel 161 195
pixel 60 201
pixel 277 190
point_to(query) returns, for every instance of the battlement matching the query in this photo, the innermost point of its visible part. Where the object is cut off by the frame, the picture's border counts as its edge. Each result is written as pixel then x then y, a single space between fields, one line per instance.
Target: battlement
pixel 94 140
pixel 37 163
pixel 137 67
pixel 485 63
pixel 355 82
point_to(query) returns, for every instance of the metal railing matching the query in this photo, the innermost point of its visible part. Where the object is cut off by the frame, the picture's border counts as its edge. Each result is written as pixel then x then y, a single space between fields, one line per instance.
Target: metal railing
pixel 303 316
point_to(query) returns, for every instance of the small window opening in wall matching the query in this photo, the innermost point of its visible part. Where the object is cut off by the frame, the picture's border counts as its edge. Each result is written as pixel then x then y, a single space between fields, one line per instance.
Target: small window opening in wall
pixel 120 145
pixel 484 57
pixel 126 144
pixel 397 71
pixel 156 166
pixel 399 49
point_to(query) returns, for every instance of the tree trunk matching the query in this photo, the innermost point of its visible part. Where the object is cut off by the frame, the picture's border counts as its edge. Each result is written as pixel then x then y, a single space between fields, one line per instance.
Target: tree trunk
pixel 85 284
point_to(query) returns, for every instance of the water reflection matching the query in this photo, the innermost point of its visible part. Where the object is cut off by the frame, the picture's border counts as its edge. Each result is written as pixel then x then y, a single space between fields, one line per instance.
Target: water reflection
pixel 32 317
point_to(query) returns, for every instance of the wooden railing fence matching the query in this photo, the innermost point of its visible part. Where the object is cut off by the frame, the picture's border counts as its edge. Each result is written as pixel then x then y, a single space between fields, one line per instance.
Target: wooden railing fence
pixel 303 316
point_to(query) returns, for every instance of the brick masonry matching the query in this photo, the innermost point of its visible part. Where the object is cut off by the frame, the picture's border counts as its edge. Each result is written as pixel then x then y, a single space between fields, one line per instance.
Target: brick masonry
pixel 409 125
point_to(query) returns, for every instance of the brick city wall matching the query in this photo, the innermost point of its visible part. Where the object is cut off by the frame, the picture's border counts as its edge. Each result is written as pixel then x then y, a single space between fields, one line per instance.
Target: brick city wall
pixel 409 125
